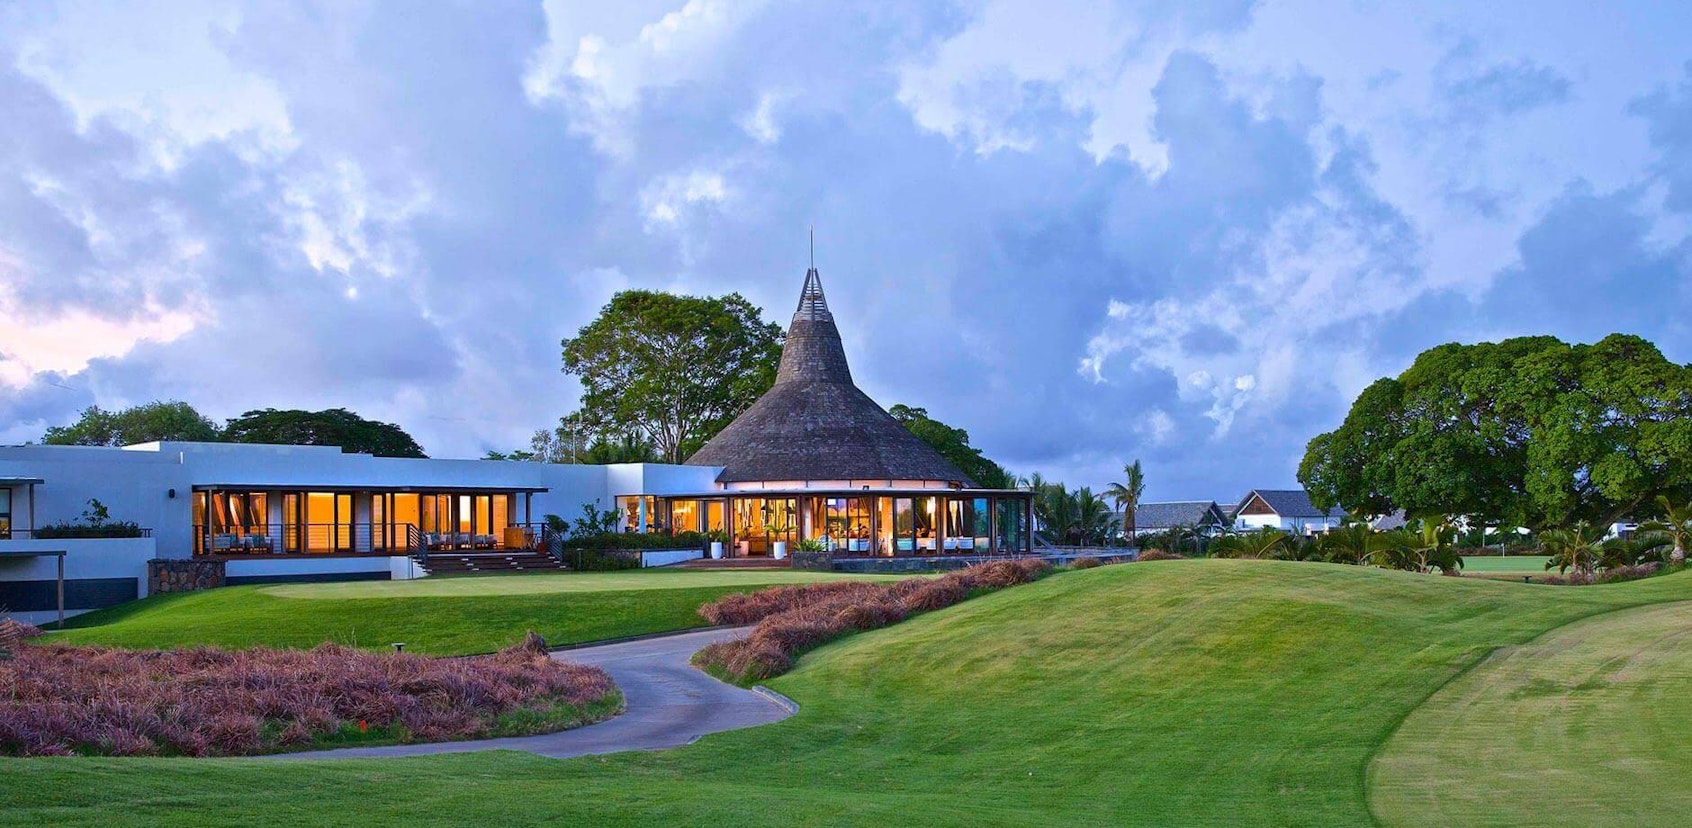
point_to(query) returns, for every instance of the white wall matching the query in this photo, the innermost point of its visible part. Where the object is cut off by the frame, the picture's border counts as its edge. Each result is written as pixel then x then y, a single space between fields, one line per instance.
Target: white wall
pixel 394 567
pixel 85 558
pixel 135 482
pixel 152 484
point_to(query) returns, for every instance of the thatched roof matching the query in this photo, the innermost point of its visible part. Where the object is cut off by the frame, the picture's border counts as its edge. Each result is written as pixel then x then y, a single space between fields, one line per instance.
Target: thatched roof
pixel 814 424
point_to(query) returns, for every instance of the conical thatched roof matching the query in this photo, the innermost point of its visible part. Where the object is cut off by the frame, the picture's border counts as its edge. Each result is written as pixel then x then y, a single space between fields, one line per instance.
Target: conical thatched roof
pixel 814 424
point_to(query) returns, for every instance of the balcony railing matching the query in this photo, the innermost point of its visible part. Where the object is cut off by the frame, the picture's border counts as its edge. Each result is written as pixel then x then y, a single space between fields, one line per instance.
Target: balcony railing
pixel 356 538
pixel 75 533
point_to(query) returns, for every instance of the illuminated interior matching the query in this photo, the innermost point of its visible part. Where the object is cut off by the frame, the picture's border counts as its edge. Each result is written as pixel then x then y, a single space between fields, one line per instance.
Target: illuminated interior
pixel 320 522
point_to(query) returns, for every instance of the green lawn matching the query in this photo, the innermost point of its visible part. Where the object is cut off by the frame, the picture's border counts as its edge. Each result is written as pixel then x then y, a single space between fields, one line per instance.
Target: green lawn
pixel 441 616
pixel 1214 692
pixel 1594 711
pixel 1526 564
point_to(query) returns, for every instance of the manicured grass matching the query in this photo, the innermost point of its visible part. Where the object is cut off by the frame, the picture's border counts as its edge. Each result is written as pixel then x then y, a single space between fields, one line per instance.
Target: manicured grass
pixel 1585 725
pixel 448 616
pixel 554 582
pixel 1511 563
pixel 1211 692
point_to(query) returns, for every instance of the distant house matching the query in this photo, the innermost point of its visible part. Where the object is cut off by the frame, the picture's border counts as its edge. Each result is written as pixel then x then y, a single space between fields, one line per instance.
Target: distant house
pixel 1285 509
pixel 1202 516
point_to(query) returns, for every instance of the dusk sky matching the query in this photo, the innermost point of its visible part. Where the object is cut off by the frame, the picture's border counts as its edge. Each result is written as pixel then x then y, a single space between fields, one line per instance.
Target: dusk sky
pixel 1186 232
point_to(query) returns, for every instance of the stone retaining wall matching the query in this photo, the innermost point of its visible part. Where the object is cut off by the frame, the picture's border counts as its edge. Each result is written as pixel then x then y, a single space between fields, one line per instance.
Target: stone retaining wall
pixel 183 575
pixel 815 561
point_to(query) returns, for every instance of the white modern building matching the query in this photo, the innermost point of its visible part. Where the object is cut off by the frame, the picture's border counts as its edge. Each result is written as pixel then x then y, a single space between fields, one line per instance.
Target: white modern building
pixel 280 513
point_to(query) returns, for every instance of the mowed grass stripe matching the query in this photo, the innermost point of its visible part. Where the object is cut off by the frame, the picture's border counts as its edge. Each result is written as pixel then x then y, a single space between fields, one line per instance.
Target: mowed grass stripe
pixel 447 616
pixel 1585 725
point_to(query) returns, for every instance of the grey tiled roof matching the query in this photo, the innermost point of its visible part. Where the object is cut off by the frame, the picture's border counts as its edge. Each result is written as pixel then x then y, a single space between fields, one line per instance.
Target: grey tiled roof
pixel 814 424
pixel 1177 513
pixel 1291 503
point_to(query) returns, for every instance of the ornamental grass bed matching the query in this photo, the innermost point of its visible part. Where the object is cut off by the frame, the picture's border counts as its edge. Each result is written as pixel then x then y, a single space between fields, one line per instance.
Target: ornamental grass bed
pixel 61 700
pixel 792 619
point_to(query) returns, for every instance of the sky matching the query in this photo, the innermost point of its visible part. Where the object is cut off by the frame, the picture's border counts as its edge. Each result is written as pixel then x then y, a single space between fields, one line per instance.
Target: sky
pixel 1185 232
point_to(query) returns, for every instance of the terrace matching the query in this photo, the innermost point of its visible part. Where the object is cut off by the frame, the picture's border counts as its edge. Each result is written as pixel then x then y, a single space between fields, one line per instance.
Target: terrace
pixel 245 520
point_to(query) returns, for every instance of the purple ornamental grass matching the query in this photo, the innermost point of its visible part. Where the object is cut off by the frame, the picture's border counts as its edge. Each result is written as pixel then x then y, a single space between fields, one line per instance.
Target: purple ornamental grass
pixel 57 700
pixel 792 619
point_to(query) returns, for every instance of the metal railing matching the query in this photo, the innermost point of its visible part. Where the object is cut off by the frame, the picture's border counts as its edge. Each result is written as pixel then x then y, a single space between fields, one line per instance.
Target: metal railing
pixel 73 533
pixel 364 537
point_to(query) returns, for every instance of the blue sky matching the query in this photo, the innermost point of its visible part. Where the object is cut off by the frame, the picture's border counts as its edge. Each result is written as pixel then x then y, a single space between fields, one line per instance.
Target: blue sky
pixel 1086 232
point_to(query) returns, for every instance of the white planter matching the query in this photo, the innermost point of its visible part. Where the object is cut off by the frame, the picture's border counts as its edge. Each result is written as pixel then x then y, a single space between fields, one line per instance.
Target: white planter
pixel 779 550
pixel 716 550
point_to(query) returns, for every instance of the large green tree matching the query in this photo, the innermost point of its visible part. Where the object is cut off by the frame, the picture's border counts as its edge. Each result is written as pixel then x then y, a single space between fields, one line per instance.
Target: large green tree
pixel 953 444
pixel 1527 432
pixel 671 370
pixel 331 427
pixel 138 424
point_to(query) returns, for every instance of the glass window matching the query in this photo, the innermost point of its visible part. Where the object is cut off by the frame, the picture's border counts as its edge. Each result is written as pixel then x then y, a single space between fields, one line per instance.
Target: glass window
pixel 714 516
pixel 904 526
pixel 927 525
pixel 1011 525
pixel 684 515
pixel 499 518
pixel 408 511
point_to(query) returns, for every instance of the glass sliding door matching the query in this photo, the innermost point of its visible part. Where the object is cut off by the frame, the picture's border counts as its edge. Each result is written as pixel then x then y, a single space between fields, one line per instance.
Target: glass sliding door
pixel 846 524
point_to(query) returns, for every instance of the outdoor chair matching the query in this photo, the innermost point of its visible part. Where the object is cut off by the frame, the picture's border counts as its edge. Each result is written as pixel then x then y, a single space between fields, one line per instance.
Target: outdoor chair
pixel 223 543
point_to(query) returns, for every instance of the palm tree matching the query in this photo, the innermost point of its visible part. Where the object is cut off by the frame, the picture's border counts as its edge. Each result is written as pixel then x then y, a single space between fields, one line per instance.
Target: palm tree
pixel 1579 548
pixel 1675 525
pixel 1436 548
pixel 1127 494
pixel 1354 542
pixel 1093 517
pixel 1263 543
pixel 1643 547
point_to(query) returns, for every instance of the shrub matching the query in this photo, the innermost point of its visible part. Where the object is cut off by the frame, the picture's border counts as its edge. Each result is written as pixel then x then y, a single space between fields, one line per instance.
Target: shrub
pixel 792 619
pixel 1085 563
pixel 1158 555
pixel 57 700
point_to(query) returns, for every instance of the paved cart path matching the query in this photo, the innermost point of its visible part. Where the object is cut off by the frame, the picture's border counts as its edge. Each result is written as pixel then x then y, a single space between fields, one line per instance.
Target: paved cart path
pixel 669 703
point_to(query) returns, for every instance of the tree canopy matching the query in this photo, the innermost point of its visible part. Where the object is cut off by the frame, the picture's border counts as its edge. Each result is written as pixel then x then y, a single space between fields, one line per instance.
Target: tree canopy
pixel 331 427
pixel 953 444
pixel 138 424
pixel 1529 431
pixel 671 370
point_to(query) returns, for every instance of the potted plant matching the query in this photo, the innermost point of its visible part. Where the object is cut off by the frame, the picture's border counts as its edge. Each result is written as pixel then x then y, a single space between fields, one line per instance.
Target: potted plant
pixel 717 539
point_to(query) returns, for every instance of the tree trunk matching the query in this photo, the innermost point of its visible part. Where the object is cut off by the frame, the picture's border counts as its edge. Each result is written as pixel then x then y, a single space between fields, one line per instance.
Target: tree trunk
pixel 1678 556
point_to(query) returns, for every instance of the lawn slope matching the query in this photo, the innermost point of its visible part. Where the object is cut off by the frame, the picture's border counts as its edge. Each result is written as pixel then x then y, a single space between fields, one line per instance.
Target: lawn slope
pixel 437 616
pixel 1586 725
pixel 1179 692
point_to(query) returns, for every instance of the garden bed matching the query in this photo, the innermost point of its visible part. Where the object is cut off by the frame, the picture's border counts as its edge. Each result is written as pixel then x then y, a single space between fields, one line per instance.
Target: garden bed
pixel 791 620
pixel 60 700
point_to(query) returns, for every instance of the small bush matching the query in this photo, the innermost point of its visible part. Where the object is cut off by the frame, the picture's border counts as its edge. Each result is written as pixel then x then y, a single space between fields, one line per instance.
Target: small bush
pixel 1086 563
pixel 1159 555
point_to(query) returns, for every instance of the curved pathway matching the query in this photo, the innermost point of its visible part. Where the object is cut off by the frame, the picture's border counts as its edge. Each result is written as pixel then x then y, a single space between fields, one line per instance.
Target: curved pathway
pixel 668 703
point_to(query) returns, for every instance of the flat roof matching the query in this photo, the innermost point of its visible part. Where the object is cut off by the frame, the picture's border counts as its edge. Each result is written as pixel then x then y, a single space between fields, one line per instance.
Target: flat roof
pixel 31 553
pixel 20 481
pixel 367 487
pixel 929 492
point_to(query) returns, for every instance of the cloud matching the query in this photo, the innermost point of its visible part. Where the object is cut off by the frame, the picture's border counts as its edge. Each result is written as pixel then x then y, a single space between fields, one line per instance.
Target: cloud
pixel 1668 113
pixel 1182 232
